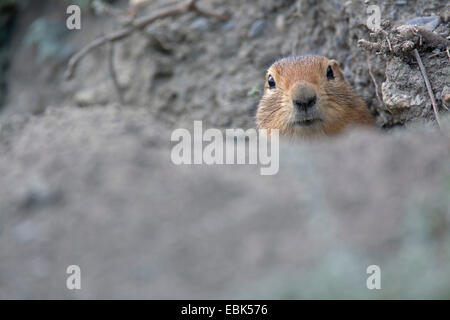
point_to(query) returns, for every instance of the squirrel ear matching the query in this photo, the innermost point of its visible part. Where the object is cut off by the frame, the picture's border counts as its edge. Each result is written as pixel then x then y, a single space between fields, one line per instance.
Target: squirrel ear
pixel 335 65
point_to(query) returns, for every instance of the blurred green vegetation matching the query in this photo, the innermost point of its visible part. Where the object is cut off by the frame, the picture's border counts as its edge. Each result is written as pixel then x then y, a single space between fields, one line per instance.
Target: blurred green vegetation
pixel 44 34
pixel 47 36
pixel 8 12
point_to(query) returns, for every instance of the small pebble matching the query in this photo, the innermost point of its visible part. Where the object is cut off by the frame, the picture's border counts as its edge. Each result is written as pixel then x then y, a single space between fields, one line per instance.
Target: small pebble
pixel 447 98
pixel 200 24
pixel 337 5
pixel 280 23
pixel 229 25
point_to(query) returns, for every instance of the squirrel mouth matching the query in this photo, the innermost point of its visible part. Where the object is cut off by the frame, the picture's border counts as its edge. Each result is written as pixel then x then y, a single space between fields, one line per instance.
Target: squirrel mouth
pixel 307 123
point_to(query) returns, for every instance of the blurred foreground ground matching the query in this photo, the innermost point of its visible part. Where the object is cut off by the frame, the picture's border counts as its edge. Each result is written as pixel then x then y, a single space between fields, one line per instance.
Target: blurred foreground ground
pixel 95 187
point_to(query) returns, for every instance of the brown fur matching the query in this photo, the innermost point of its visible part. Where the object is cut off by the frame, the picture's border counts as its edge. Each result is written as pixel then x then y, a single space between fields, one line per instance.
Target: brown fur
pixel 336 105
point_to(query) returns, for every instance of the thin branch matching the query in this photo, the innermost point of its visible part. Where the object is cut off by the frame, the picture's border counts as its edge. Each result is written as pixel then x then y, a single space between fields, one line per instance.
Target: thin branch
pixel 117 35
pixel 294 46
pixel 386 35
pixel 222 17
pixel 380 101
pixel 427 83
pixel 101 7
pixel 112 72
pixel 373 79
pixel 435 54
pixel 138 24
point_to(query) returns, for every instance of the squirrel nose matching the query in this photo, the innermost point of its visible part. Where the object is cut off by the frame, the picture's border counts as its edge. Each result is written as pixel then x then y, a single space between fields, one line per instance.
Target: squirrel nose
pixel 304 97
pixel 305 103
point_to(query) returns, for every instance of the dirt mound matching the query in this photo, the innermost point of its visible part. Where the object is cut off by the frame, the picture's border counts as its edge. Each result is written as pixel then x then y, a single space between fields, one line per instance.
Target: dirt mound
pixel 191 67
pixel 95 187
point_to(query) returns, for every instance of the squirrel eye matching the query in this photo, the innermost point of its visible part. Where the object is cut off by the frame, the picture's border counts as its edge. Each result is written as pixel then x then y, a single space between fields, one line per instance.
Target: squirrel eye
pixel 271 82
pixel 330 74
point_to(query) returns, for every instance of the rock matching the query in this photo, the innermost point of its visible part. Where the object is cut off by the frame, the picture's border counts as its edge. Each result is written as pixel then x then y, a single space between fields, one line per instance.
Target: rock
pixel 429 23
pixel 404 91
pixel 257 28
pixel 97 95
pixel 396 99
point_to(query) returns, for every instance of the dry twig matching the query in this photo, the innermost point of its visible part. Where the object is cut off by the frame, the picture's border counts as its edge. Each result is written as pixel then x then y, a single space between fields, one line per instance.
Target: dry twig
pixel 112 72
pixel 138 24
pixel 427 83
pixel 380 101
pixel 435 54
pixel 401 40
